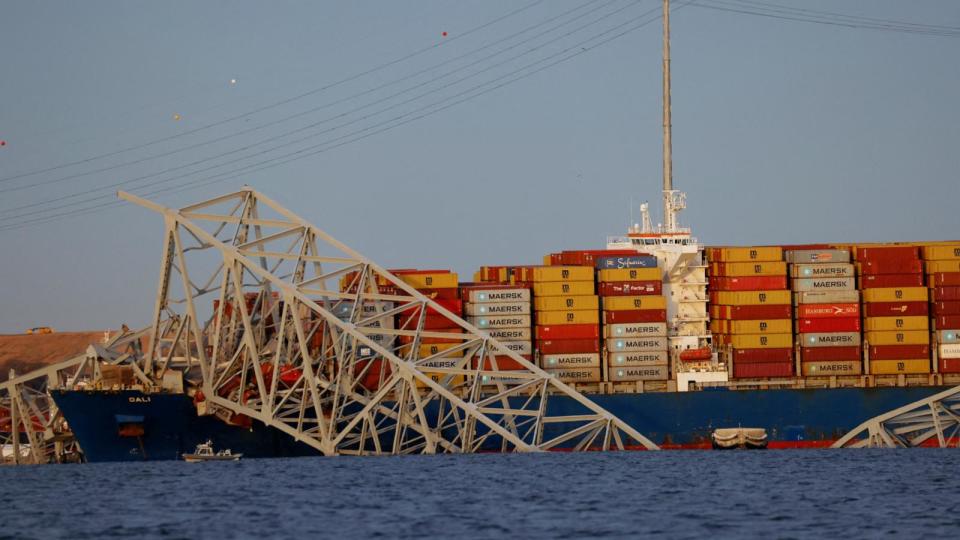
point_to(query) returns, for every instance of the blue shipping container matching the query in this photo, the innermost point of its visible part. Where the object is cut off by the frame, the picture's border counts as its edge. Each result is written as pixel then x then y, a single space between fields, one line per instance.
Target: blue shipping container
pixel 628 261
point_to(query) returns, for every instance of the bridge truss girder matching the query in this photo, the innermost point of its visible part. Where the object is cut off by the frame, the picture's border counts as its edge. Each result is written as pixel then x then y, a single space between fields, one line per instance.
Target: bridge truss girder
pixel 313 339
pixel 935 417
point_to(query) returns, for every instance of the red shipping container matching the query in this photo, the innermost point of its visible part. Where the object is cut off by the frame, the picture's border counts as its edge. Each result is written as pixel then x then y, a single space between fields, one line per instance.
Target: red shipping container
pixel 891 309
pixel 883 266
pixel 568 331
pixel 568 346
pixel 949 365
pixel 752 283
pixel 945 294
pixel 408 321
pixel 454 305
pixel 827 311
pixel 946 322
pixel 504 363
pixel 945 308
pixel 587 257
pixel 746 313
pixel 763 371
pixel 898 352
pixel 629 288
pixel 827 354
pixel 887 253
pixel 404 340
pixel 944 279
pixel 635 316
pixel 448 293
pixel 845 324
pixel 873 281
pixel 761 356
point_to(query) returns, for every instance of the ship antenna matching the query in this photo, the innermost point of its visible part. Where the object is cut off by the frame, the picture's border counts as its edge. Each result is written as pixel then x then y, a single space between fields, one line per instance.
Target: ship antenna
pixel 669 216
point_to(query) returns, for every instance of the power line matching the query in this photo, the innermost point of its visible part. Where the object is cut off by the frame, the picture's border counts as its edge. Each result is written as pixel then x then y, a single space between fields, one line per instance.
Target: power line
pixel 260 142
pixel 280 102
pixel 577 49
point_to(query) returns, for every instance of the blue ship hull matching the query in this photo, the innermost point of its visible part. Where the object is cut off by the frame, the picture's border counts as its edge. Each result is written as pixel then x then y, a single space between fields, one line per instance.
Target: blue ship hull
pixel 792 418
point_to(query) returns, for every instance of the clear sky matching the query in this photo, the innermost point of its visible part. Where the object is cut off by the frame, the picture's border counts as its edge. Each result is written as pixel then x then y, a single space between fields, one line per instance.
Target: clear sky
pixel 784 131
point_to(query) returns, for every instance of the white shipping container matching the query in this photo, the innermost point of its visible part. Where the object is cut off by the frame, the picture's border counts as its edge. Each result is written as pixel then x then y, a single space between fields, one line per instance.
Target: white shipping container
pixel 826 297
pixel 949 350
pixel 948 336
pixel 645 373
pixel 511 334
pixel 500 321
pixel 498 308
pixel 822 270
pixel 823 284
pixel 636 344
pixel 573 360
pixel 637 359
pixel 576 375
pixel 830 339
pixel 478 296
pixel 344 309
pixel 817 256
pixel 519 347
pixel 635 330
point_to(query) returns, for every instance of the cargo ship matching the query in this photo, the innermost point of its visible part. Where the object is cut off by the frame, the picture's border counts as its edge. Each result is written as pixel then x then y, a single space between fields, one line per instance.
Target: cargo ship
pixel 672 337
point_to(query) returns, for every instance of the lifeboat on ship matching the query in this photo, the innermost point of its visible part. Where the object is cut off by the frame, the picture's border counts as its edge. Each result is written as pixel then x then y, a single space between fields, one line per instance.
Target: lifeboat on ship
pixel 696 355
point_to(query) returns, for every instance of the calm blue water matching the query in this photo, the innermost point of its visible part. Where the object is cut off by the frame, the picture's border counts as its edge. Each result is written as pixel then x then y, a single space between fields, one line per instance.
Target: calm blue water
pixel 779 494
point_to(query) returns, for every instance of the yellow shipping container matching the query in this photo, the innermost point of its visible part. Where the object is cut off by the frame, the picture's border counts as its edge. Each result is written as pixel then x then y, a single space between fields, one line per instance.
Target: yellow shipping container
pixel 761 341
pixel 751 254
pixel 774 326
pixel 740 269
pixel 873 324
pixel 563 288
pixel 895 294
pixel 438 378
pixel 547 259
pixel 562 273
pixel 943 266
pixel 906 337
pixel 590 316
pixel 629 274
pixel 566 303
pixel 430 281
pixel 753 298
pixel 940 253
pixel 625 303
pixel 894 367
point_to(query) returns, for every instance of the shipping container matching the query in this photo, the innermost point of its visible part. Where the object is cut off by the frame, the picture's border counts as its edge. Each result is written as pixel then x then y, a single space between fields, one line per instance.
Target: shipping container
pixel 518 347
pixel 827 297
pixel 501 363
pixel 568 346
pixel 631 344
pixel 750 254
pixel 448 293
pixel 500 321
pixel 752 298
pixel 758 356
pixel 895 367
pixel 546 318
pixel 934 267
pixel 638 358
pixel 827 311
pixel 562 273
pixel 568 331
pixel 511 294
pixel 635 330
pixel 945 294
pixel 736 269
pixel 430 280
pixel 895 352
pixel 566 303
pixel 906 337
pixel 943 279
pixel 830 354
pixel 409 321
pixel 830 339
pixel 886 253
pixel 945 308
pixel 629 274
pixel 948 336
pixel 635 316
pixel 873 324
pixel 567 361
pixel 456 336
pixel 949 365
pixel 890 309
pixel 806 256
pixel 891 267
pixel 844 324
pixel 763 371
pixel 626 261
pixel 895 294
pixel 946 322
pixel 575 375
pixel 830 368
pixel 629 288
pixel 949 350
pixel 879 281
pixel 499 308
pixel 588 257
pixel 448 381
pixel 752 283
pixel 752 312
pixel 627 303
pixel 430 349
pixel 510 334
pixel 560 288
pixel 638 373
pixel 763 326
pixel 761 341
pixel 823 284
pixel 837 270
pixel 931 253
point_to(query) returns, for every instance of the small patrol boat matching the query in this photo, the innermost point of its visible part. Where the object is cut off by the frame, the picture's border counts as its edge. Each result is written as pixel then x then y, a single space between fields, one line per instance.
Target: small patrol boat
pixel 739 437
pixel 204 452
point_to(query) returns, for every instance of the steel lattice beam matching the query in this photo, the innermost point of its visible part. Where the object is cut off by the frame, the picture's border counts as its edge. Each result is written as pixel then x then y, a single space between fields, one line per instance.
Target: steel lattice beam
pixel 311 338
pixel 937 416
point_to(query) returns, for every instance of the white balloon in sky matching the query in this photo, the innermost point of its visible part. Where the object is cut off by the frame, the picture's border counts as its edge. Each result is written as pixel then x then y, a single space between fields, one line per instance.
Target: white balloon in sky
pixel 233 81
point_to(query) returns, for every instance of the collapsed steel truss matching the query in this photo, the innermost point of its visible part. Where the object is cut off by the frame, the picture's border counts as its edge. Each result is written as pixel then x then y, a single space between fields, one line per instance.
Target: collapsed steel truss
pixel 311 338
pixel 911 425
pixel 32 430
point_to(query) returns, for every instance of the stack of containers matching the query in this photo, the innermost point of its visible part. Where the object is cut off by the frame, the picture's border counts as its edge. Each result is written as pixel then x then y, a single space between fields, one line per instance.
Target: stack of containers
pixel 442 287
pixel 567 327
pixel 751 310
pixel 503 311
pixel 634 318
pixel 827 312
pixel 895 311
pixel 943 278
